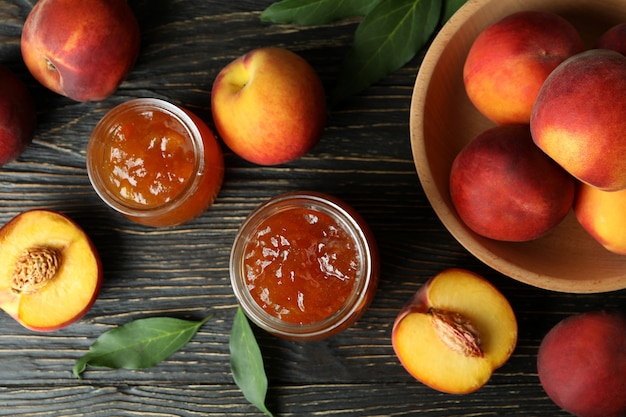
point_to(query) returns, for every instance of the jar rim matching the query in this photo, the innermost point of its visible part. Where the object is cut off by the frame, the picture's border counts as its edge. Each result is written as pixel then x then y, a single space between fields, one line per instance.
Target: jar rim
pixel 96 144
pixel 353 225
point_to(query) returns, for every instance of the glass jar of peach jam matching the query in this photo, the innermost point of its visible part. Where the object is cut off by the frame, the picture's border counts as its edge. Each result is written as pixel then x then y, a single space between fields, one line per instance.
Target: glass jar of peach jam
pixel 154 162
pixel 304 266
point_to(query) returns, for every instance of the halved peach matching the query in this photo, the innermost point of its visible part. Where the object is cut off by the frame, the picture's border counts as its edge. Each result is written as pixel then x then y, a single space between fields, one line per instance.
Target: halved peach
pixel 455 331
pixel 50 272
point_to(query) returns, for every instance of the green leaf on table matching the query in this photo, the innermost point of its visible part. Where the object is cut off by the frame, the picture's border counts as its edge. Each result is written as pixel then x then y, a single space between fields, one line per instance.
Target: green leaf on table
pixel 246 362
pixel 142 343
pixel 315 12
pixel 385 40
pixel 450 7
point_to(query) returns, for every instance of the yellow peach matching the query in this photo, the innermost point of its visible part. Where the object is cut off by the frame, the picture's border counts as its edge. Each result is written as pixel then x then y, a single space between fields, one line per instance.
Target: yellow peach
pixel 50 272
pixel 269 106
pixel 454 332
pixel 80 49
pixel 603 215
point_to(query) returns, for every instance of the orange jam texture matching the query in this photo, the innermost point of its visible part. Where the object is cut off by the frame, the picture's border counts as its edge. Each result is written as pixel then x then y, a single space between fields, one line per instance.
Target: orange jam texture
pixel 149 160
pixel 301 265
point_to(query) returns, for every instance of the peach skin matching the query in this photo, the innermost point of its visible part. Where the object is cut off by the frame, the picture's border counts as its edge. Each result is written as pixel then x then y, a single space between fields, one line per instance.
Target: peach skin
pixel 582 364
pixel 578 118
pixel 603 215
pixel 80 49
pixel 503 187
pixel 269 106
pixel 510 60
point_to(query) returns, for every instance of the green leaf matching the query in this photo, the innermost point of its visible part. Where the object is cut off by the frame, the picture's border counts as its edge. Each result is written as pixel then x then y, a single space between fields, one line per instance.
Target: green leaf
pixel 246 362
pixel 387 38
pixel 142 343
pixel 450 7
pixel 316 12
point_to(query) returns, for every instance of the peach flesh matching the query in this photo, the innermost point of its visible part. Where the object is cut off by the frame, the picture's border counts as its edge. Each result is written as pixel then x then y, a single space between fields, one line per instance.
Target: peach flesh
pixel 431 359
pixel 67 293
pixel 18 116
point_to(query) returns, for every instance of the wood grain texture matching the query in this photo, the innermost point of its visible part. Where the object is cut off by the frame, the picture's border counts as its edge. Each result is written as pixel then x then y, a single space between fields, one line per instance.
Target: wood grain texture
pixel 364 157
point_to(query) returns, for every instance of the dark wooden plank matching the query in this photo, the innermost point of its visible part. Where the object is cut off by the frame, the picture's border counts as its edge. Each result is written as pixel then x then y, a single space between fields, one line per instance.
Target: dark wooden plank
pixel 383 400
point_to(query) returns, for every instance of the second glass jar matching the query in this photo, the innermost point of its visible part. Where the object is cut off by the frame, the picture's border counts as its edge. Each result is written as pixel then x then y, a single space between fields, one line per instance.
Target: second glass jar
pixel 304 266
pixel 154 162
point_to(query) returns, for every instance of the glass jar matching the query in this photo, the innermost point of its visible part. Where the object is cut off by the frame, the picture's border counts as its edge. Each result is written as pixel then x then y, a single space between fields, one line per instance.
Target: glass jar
pixel 154 162
pixel 304 266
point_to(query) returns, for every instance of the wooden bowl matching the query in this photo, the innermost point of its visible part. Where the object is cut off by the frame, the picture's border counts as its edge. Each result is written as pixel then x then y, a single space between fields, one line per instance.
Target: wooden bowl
pixel 443 120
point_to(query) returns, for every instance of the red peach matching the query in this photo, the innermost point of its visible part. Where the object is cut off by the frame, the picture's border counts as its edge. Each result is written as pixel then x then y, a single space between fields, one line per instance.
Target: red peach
pixel 18 116
pixel 582 364
pixel 578 118
pixel 503 187
pixel 509 61
pixel 80 49
pixel 614 39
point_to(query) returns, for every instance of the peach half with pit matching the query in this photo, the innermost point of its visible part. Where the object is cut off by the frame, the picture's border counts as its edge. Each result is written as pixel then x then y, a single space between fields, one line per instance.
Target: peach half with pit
pixel 582 364
pixel 455 331
pixel 50 272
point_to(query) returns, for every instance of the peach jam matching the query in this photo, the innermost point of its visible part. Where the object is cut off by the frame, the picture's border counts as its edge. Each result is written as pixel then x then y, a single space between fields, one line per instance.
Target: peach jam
pixel 156 163
pixel 304 266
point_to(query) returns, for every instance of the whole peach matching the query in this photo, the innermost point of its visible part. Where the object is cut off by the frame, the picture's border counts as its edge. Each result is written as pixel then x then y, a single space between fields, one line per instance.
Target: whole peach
pixel 603 215
pixel 582 364
pixel 18 116
pixel 81 49
pixel 509 61
pixel 578 118
pixel 614 39
pixel 503 187
pixel 269 106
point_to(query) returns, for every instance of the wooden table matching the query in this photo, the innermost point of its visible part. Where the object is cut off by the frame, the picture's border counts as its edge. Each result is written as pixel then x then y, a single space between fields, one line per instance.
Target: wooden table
pixel 364 158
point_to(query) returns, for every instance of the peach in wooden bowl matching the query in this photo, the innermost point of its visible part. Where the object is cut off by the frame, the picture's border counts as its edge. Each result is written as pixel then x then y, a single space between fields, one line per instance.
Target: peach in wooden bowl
pixel 443 120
